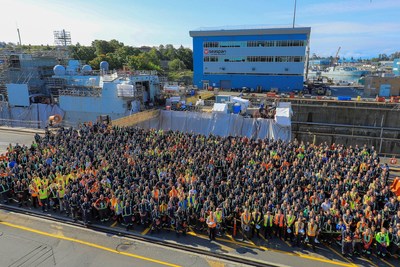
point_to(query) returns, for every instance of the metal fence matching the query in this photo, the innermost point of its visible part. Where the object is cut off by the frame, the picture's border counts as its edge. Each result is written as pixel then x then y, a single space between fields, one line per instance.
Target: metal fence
pixel 23 123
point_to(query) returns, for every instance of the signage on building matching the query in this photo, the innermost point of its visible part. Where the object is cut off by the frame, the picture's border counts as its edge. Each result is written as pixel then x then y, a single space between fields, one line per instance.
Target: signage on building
pixel 214 51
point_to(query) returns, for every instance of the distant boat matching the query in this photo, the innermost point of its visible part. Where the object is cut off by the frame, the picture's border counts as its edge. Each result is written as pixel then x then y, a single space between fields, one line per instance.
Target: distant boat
pixel 340 73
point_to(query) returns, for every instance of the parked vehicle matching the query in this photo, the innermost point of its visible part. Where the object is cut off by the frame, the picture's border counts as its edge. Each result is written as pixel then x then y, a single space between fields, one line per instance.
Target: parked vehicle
pixel 344 83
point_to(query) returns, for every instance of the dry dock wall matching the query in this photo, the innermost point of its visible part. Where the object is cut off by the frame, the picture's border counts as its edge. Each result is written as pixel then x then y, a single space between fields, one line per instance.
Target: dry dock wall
pixel 349 123
pixel 136 118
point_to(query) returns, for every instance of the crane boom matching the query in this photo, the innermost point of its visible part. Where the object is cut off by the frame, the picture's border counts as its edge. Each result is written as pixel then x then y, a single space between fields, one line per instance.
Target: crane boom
pixel 337 53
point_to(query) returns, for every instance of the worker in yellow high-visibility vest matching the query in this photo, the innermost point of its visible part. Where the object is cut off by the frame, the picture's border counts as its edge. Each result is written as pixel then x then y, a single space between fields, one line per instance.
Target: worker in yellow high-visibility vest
pixel 43 196
pixel 268 225
pixel 312 232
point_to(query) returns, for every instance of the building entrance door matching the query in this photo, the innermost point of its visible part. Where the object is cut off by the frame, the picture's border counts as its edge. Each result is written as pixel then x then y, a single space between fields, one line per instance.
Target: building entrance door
pixel 205 85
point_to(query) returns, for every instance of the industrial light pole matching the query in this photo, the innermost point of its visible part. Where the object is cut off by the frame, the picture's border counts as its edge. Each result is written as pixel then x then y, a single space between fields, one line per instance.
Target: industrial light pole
pixel 294 12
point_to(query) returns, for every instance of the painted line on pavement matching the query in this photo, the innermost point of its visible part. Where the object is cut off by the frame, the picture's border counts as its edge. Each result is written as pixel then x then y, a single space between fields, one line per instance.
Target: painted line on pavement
pixel 230 237
pixel 388 263
pixel 88 244
pixel 341 256
pixel 369 261
pixel 146 231
pixel 305 256
pixel 191 232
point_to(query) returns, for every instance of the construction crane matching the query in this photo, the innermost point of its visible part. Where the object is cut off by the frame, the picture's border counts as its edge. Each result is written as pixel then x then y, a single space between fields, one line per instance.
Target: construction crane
pixel 337 54
pixel 335 60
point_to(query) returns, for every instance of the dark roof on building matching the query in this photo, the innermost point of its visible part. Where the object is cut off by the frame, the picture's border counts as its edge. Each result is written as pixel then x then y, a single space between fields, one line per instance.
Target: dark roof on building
pixel 250 31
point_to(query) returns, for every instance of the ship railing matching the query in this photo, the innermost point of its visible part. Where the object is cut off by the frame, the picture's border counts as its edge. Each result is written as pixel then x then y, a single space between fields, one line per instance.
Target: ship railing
pixel 84 92
pixel 23 123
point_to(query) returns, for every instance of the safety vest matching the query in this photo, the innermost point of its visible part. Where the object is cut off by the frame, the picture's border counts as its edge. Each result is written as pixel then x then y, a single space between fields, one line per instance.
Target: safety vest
pixel 118 207
pixel 113 202
pixel 297 226
pixel 367 238
pixel 61 192
pixel 211 221
pixel 163 208
pixel 267 220
pixel 218 214
pixel 37 181
pixel 290 219
pixel 126 212
pixel 173 193
pixel 312 229
pixel 155 194
pixel 381 237
pixel 246 218
pixel 191 200
pixel 279 220
pixel 43 193
pixel 34 191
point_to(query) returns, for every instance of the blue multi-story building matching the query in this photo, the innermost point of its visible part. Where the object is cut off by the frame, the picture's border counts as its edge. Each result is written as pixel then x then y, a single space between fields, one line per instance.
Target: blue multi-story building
pixel 262 59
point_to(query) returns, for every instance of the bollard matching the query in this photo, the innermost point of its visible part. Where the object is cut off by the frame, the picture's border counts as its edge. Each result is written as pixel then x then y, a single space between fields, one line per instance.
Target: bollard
pixel 234 227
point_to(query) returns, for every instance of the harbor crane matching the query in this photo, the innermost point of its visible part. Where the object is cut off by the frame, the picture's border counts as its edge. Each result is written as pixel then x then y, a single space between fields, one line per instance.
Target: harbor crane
pixel 337 54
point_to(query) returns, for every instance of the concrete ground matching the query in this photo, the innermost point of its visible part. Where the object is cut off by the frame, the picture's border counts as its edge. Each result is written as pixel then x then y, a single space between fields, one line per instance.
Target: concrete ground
pixel 13 136
pixel 27 241
pixel 275 251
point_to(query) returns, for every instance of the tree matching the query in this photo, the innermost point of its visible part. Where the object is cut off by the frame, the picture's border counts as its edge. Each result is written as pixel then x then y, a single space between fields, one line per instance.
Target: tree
pixel 395 55
pixel 114 44
pixel 85 53
pixel 110 58
pixel 143 61
pixel 176 64
pixel 154 55
pixel 102 47
pixel 170 52
pixel 186 56
pixel 383 57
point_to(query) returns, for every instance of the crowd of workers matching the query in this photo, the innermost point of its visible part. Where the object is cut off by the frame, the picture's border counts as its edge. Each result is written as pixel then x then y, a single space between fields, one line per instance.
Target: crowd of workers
pixel 268 189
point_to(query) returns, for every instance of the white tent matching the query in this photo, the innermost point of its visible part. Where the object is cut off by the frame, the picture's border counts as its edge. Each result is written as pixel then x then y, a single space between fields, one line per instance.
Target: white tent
pixel 220 107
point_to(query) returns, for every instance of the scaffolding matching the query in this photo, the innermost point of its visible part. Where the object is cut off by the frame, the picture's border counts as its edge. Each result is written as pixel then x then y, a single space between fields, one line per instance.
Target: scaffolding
pixel 31 68
pixel 3 75
pixel 54 86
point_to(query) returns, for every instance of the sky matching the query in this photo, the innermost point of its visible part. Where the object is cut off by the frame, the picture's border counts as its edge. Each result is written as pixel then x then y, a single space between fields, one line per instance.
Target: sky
pixel 362 28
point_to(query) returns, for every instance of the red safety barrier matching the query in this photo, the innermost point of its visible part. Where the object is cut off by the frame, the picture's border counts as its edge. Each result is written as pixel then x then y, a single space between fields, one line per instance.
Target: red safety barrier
pixel 394 99
pixel 380 99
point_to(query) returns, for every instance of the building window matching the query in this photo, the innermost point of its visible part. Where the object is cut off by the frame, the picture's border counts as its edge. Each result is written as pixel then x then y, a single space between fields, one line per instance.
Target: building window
pixel 210 44
pixel 263 59
pixel 210 59
pixel 268 43
pixel 298 59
